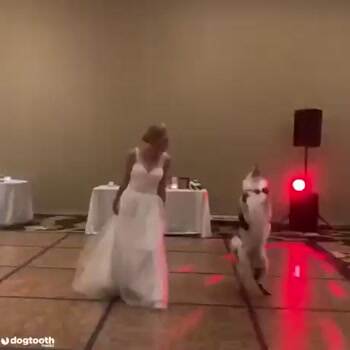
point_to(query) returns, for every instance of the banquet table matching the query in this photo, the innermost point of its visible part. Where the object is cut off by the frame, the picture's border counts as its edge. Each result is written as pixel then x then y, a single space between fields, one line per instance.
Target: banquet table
pixel 16 206
pixel 187 211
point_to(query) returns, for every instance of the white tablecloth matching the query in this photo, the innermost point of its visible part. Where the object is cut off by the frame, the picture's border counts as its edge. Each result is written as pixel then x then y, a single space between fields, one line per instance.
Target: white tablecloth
pixel 101 207
pixel 15 202
pixel 187 211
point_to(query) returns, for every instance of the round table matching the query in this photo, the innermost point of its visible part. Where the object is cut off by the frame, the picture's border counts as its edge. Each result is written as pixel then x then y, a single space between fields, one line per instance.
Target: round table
pixel 16 205
pixel 187 211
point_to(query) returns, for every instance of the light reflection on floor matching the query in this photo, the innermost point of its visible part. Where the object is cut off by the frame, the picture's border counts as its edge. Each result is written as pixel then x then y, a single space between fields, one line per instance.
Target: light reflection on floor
pixel 300 268
pixel 299 328
pixel 309 308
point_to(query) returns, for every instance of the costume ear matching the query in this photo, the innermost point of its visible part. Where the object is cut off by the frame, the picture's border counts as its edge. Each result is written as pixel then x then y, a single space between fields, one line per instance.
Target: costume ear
pixel 256 171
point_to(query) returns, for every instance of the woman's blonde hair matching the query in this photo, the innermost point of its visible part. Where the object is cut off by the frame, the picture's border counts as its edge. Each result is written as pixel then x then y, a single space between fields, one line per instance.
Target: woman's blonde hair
pixel 154 133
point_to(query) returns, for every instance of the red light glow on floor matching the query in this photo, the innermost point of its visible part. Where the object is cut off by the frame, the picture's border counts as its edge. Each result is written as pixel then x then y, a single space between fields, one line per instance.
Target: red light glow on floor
pixel 183 327
pixel 230 258
pixel 337 290
pixel 332 334
pixel 297 271
pixel 295 294
pixel 185 269
pixel 327 268
pixel 213 280
pixel 299 293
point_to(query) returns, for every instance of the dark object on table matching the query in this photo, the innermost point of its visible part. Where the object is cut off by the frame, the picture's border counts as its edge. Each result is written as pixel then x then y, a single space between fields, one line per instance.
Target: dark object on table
pixel 184 183
pixel 195 185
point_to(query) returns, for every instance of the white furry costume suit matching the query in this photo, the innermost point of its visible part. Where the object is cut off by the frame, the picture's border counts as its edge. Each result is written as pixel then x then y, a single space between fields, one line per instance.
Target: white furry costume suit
pixel 255 226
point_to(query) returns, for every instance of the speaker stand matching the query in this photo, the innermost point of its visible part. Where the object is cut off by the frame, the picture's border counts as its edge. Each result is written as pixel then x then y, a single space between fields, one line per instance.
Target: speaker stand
pixel 321 218
pixel 306 160
pixel 306 168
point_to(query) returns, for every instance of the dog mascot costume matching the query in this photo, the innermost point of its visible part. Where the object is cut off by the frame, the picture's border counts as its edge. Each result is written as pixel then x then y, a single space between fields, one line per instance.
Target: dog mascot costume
pixel 255 227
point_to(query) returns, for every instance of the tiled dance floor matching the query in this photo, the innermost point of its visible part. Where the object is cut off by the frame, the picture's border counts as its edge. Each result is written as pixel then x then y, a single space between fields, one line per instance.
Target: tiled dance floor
pixel 209 309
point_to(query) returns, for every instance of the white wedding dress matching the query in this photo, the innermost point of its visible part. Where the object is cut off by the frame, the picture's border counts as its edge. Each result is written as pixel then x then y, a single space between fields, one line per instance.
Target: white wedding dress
pixel 128 258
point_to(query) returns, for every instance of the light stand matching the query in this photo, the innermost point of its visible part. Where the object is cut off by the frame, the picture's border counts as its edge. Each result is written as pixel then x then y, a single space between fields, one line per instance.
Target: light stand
pixel 306 160
pixel 306 163
pixel 304 213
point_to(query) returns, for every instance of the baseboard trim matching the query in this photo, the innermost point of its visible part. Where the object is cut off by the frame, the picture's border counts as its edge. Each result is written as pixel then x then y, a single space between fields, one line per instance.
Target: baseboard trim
pixel 62 213
pixel 277 225
pixel 219 219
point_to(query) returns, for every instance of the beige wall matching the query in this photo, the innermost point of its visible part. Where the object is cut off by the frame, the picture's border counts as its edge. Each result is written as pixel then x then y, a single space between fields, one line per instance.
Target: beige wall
pixel 80 80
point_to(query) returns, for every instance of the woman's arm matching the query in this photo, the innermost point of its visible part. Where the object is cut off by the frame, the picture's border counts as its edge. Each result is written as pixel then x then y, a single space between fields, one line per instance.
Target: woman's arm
pixel 163 181
pixel 129 164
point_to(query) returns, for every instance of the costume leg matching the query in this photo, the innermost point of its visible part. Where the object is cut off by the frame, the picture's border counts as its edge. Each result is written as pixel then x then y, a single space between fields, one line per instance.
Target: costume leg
pixel 259 267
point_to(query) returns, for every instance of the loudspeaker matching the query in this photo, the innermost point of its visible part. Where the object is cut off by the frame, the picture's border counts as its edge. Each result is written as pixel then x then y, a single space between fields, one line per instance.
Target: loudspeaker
pixel 307 127
pixel 304 210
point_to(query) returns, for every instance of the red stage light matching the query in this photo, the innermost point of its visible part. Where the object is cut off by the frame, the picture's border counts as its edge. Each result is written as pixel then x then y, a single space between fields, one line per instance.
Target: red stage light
pixel 303 207
pixel 299 185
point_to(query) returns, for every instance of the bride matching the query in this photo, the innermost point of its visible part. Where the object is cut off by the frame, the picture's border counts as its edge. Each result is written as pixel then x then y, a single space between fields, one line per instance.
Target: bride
pixel 128 258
